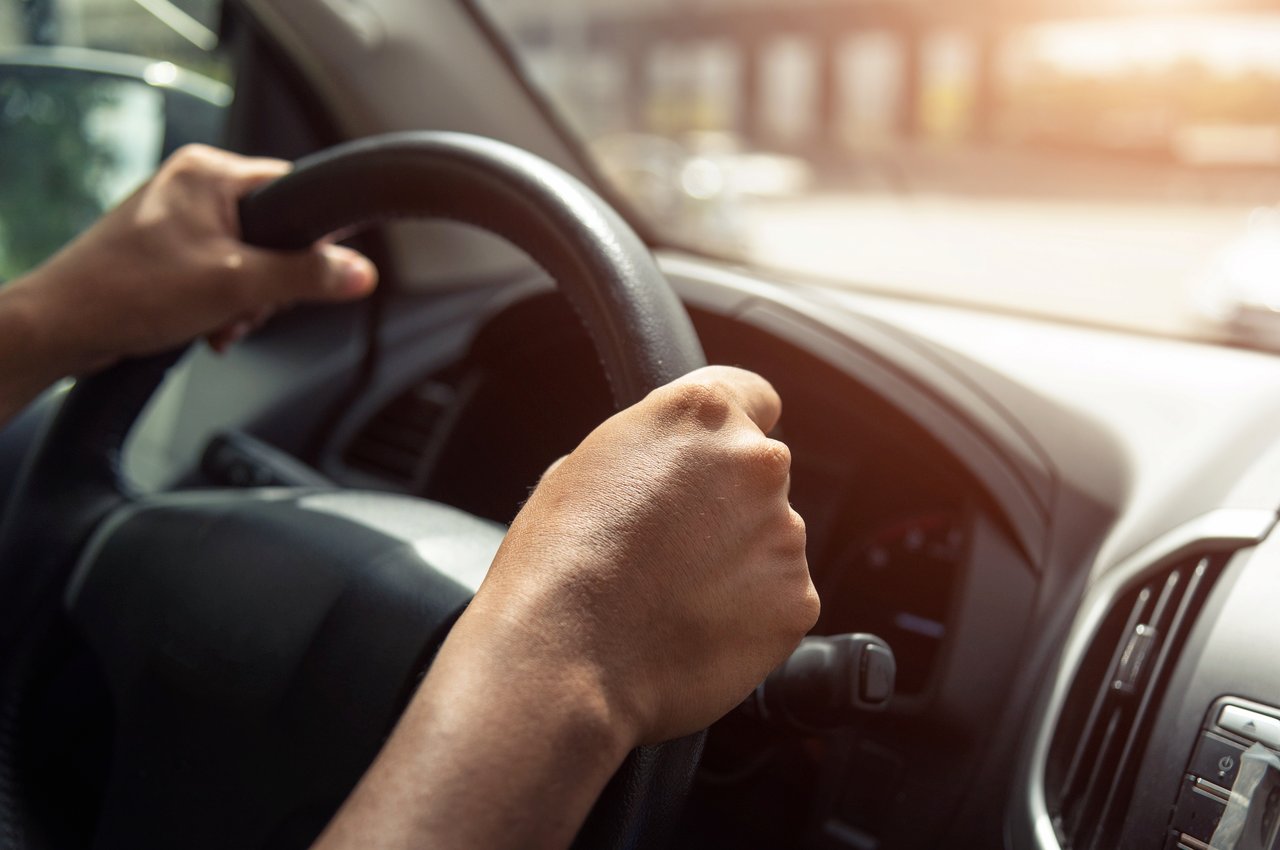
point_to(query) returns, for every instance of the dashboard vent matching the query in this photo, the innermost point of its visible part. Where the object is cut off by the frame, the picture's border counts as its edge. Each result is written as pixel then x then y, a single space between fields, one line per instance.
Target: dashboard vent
pixel 1108 713
pixel 395 444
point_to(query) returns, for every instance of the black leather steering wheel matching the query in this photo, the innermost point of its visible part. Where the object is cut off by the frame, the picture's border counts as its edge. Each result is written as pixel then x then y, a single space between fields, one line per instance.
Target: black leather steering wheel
pixel 258 645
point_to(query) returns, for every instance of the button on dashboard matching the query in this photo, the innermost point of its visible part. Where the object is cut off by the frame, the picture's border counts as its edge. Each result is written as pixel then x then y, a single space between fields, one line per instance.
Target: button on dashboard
pixel 1250 724
pixel 1198 812
pixel 1217 760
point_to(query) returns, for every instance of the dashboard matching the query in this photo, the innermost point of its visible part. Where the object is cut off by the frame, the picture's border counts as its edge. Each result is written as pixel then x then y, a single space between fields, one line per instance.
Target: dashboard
pixel 985 492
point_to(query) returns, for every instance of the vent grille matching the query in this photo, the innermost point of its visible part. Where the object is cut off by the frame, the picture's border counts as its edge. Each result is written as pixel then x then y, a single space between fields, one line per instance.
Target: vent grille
pixel 396 443
pixel 1108 713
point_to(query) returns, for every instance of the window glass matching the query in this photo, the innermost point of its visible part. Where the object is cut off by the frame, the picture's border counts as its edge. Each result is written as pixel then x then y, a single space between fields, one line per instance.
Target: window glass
pixel 1107 161
pixel 183 32
pixel 93 93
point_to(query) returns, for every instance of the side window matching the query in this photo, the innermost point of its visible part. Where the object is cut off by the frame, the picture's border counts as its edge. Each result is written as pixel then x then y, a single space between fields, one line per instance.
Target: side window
pixel 93 95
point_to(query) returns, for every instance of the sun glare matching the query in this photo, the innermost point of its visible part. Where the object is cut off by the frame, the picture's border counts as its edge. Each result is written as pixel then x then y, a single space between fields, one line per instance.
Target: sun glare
pixel 1224 44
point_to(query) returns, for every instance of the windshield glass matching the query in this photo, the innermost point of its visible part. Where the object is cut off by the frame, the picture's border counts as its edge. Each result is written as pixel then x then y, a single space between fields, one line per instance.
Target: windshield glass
pixel 1106 161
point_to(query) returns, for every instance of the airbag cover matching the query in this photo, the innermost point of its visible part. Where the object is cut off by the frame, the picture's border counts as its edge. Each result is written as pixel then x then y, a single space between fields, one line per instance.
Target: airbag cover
pixel 260 650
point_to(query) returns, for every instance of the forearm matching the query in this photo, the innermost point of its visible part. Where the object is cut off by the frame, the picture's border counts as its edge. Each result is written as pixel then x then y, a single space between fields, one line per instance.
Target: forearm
pixel 493 752
pixel 34 353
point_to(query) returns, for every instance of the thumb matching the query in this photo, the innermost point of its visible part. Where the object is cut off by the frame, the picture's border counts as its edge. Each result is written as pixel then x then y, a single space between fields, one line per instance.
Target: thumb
pixel 323 273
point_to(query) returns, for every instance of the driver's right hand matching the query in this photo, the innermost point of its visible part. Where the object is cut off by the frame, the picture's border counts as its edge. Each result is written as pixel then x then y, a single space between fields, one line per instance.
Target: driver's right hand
pixel 660 561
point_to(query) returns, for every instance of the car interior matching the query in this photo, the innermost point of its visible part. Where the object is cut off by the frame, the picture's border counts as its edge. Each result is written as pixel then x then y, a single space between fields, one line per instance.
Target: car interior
pixel 1060 527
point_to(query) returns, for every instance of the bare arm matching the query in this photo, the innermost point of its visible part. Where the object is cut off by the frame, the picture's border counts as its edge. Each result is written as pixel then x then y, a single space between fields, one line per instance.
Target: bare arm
pixel 654 577
pixel 164 267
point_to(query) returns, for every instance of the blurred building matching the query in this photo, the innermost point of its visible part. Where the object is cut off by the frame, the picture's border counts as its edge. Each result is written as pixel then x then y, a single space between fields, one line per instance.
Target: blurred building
pixel 821 77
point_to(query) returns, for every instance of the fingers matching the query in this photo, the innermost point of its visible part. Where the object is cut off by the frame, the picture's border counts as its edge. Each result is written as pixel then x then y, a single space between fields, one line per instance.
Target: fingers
pixel 755 396
pixel 264 281
pixel 324 273
pixel 237 174
pixel 267 279
pixel 211 182
pixel 347 274
pixel 248 173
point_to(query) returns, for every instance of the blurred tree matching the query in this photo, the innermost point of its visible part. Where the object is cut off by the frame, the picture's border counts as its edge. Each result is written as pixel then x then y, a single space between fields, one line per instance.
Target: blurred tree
pixel 51 165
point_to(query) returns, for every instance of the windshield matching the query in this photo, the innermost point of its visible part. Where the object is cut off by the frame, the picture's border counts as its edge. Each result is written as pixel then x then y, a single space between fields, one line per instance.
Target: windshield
pixel 1120 169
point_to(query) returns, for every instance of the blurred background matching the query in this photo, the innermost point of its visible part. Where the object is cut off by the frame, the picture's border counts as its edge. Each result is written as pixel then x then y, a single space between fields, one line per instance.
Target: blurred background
pixel 1109 161
pixel 180 31
pixel 93 93
pixel 1114 162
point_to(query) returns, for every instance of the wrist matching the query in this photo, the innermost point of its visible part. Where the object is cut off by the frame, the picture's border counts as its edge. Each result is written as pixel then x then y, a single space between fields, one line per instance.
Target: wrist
pixel 498 748
pixel 28 346
pixel 537 683
pixel 35 312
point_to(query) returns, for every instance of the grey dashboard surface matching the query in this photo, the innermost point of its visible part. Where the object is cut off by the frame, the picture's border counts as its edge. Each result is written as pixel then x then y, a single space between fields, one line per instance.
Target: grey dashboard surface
pixel 1197 425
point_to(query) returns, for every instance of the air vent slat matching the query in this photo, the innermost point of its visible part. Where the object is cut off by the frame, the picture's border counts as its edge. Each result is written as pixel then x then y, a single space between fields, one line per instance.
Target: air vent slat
pixel 1106 718
pixel 1190 597
pixel 393 462
pixel 1083 748
pixel 393 444
pixel 405 436
pixel 1085 815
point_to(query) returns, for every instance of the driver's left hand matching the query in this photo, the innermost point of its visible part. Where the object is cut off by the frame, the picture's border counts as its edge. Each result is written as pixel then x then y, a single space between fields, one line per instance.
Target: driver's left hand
pixel 167 266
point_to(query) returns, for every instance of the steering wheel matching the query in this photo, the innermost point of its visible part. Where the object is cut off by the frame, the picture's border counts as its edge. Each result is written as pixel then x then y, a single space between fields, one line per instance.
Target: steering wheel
pixel 258 646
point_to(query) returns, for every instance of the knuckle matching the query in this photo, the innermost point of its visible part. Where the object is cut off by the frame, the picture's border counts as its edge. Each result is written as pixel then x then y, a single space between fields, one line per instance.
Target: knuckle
pixel 798 608
pixel 809 608
pixel 790 539
pixel 190 159
pixel 697 401
pixel 796 529
pixel 770 459
pixel 792 590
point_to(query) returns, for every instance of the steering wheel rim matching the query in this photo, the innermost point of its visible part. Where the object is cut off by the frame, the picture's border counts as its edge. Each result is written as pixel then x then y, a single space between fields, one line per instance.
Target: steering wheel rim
pixel 72 479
